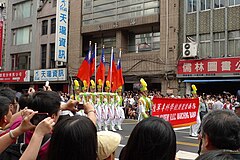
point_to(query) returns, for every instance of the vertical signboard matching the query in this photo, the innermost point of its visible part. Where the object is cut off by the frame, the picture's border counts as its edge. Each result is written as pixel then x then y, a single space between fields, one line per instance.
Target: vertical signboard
pixel 61 31
pixel 1 42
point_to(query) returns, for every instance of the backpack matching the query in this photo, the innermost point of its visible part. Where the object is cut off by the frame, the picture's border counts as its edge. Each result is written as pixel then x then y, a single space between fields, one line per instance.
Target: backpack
pixel 15 151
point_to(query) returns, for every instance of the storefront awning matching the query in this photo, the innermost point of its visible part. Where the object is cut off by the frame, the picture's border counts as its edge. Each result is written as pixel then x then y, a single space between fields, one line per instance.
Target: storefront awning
pixel 210 80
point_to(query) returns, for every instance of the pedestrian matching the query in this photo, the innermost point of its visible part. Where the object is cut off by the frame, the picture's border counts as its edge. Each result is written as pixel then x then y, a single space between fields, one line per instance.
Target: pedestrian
pixel 237 109
pixel 218 105
pixel 73 139
pixel 220 155
pixel 220 130
pixel 152 138
pixel 107 144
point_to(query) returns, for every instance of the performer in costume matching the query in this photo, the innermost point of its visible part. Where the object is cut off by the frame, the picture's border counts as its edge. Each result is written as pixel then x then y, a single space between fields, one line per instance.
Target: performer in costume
pixel 144 104
pixel 120 116
pixel 105 106
pixel 83 98
pixel 92 95
pixel 99 106
pixel 112 111
pixel 194 128
pixel 76 88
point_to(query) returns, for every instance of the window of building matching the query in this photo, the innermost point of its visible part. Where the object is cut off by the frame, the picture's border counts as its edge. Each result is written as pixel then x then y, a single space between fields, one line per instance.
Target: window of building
pixel 219 3
pixel 191 6
pixel 204 47
pixel 234 43
pixel 54 3
pixel 108 43
pixel 44 27
pixel 144 42
pixel 218 44
pixel 22 36
pixel 52 55
pixel 22 10
pixel 234 2
pixel 21 61
pixel 95 12
pixel 205 4
pixel 53 25
pixel 43 56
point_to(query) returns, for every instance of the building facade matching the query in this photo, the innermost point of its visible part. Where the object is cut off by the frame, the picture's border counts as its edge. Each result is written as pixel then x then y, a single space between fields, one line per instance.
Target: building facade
pixel 145 30
pixel 215 26
pixel 3 17
pixel 30 46
pixel 45 48
pixel 21 40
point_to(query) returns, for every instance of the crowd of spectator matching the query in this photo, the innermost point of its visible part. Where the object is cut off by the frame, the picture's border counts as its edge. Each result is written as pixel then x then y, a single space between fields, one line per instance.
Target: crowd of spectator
pixel 208 102
pixel 60 136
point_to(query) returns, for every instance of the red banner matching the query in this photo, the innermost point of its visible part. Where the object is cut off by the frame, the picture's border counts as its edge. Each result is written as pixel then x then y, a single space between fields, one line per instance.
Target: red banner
pixel 1 42
pixel 15 76
pixel 179 112
pixel 213 67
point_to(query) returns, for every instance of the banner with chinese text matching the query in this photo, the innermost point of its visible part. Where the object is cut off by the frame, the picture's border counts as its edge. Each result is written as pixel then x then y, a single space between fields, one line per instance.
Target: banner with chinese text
pixel 58 74
pixel 213 67
pixel 61 31
pixel 15 76
pixel 179 112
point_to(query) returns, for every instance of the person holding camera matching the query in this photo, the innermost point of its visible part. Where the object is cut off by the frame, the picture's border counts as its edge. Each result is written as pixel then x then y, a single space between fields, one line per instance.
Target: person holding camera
pixel 48 104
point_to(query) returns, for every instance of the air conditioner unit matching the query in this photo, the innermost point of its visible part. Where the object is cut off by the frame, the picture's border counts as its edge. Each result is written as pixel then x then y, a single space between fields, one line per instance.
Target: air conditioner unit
pixel 189 49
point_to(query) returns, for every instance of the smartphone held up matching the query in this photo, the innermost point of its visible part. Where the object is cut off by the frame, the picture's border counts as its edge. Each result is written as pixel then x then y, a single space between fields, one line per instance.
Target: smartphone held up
pixel 38 117
pixel 80 106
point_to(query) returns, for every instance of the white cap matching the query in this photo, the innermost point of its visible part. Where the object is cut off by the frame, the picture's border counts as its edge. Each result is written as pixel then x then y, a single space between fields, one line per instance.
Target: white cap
pixel 107 143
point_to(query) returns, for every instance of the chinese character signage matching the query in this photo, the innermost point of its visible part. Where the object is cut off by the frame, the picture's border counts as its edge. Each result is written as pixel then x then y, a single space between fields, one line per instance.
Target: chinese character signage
pixel 179 112
pixel 1 42
pixel 59 74
pixel 214 67
pixel 15 76
pixel 61 31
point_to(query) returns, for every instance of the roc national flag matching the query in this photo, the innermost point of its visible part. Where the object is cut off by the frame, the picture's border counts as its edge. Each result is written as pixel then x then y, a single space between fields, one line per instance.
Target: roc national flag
pixel 101 68
pixel 85 70
pixel 112 73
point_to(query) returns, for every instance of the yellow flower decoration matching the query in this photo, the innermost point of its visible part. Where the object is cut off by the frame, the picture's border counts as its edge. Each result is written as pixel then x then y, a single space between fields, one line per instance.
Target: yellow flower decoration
pixel 108 83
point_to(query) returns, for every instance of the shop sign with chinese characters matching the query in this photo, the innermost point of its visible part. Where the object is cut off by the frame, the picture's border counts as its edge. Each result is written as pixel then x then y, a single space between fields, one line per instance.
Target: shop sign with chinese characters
pixel 15 76
pixel 61 31
pixel 214 67
pixel 59 74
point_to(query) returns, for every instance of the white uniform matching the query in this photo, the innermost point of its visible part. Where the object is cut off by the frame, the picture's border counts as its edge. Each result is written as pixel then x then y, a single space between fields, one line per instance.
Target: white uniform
pixel 120 116
pixel 105 113
pixel 112 113
pixel 142 106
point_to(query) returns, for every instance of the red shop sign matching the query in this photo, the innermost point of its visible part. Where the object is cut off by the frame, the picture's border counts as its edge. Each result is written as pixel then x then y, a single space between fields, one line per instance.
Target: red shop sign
pixel 214 67
pixel 179 112
pixel 15 76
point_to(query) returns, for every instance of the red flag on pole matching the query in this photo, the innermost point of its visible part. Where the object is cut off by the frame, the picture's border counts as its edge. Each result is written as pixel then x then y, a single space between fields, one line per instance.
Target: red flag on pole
pixel 92 63
pixel 120 80
pixel 101 68
pixel 112 74
pixel 85 70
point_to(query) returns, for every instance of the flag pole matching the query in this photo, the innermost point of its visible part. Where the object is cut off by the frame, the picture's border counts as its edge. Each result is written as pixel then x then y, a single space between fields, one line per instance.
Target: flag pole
pixel 111 69
pixel 104 72
pixel 89 57
pixel 120 53
pixel 95 63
